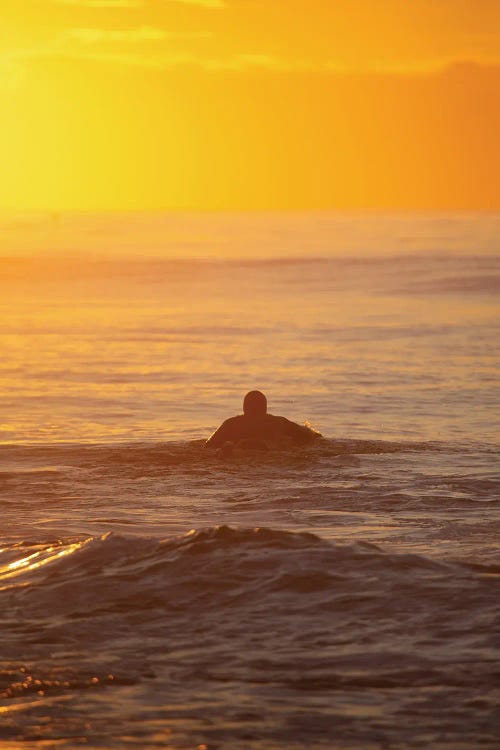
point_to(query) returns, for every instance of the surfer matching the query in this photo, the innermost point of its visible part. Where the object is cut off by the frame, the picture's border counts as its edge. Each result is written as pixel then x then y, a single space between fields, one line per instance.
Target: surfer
pixel 257 429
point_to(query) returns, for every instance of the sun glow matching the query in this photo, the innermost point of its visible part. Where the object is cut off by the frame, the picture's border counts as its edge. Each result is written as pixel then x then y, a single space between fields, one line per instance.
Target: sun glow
pixel 211 104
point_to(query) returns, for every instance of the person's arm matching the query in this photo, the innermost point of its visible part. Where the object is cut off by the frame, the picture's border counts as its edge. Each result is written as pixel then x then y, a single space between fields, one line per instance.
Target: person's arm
pixel 221 435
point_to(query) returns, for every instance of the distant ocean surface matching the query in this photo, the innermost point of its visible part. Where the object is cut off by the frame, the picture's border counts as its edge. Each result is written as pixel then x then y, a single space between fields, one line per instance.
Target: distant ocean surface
pixel 153 594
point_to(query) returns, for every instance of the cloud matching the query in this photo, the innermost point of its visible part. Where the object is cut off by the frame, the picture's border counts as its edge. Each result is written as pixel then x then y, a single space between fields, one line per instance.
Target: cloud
pixel 138 3
pixel 130 36
pixel 102 3
pixel 142 47
pixel 258 61
pixel 415 67
pixel 158 62
pixel 91 45
pixel 202 3
pixel 92 36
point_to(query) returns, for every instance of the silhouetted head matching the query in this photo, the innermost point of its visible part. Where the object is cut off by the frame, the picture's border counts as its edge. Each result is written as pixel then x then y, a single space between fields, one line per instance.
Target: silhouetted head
pixel 254 404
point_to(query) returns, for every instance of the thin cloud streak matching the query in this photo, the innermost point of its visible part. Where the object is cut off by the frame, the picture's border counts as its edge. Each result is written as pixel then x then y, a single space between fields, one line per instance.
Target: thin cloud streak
pixel 130 36
pixel 88 50
pixel 425 66
pixel 202 3
pixel 215 4
pixel 101 3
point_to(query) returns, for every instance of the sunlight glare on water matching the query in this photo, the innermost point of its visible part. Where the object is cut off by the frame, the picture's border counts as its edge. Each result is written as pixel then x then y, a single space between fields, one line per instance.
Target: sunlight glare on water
pixel 393 343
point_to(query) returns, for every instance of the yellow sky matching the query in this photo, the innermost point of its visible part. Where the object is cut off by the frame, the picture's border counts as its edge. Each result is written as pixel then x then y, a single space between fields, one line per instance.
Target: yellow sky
pixel 234 104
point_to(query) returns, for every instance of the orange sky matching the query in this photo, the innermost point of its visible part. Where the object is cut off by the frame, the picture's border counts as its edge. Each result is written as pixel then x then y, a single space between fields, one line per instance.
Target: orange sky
pixel 235 104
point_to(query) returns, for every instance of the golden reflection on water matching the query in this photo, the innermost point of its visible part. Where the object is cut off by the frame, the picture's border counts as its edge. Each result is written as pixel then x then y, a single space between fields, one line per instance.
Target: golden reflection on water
pixel 13 707
pixel 38 559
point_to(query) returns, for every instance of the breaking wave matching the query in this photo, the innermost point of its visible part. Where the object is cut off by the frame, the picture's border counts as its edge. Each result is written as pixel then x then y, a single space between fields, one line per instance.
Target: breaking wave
pixel 242 610
pixel 223 567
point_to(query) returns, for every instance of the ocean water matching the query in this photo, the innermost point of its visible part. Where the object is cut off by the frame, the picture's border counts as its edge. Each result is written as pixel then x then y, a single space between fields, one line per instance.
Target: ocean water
pixel 154 594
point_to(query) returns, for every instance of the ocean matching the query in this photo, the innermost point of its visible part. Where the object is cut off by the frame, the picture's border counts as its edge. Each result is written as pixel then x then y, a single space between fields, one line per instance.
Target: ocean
pixel 154 594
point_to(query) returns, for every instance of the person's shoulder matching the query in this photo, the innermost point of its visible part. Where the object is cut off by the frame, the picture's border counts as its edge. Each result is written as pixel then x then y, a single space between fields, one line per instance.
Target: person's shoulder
pixel 284 425
pixel 226 431
pixel 283 421
pixel 232 425
pixel 300 432
pixel 233 420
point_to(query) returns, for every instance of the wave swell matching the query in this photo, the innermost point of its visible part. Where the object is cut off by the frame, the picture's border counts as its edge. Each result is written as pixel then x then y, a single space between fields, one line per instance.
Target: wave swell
pixel 256 608
pixel 222 567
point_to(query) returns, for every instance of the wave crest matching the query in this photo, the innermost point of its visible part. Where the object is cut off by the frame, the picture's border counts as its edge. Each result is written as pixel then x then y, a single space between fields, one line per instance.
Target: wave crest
pixel 207 569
